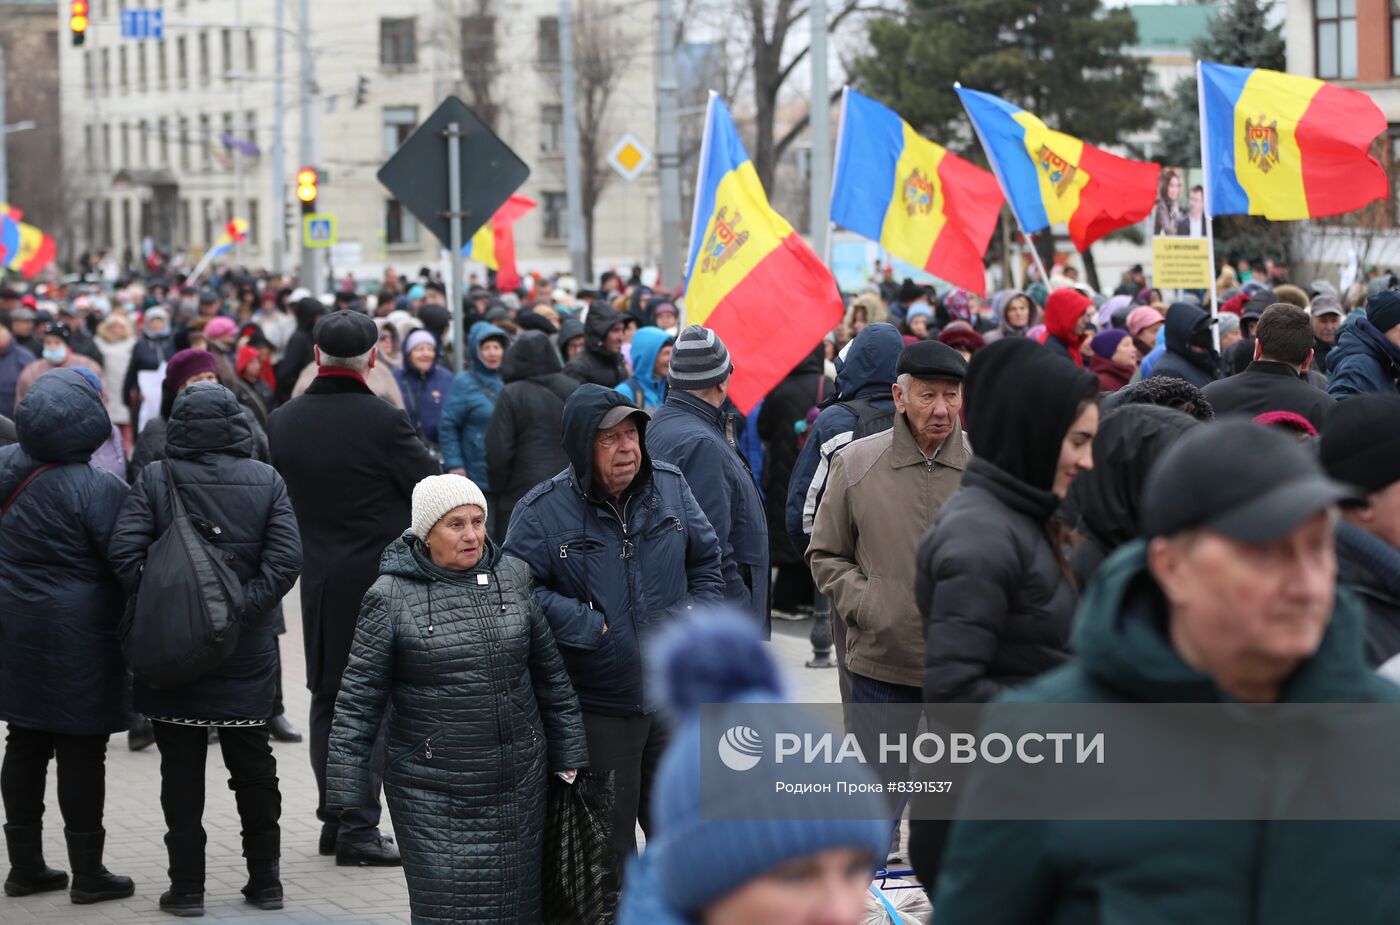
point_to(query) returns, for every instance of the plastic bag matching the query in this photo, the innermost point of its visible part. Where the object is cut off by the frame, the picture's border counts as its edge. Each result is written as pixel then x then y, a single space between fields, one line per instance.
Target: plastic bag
pixel 898 898
pixel 578 864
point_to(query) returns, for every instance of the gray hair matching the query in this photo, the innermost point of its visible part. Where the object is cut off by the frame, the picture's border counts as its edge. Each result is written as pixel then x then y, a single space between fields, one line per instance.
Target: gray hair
pixel 359 364
pixel 904 381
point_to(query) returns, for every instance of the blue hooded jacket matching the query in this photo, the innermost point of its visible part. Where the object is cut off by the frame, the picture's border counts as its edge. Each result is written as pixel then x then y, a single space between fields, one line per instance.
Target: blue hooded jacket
pixel 642 387
pixel 1364 362
pixel 424 395
pixel 467 414
pixel 868 371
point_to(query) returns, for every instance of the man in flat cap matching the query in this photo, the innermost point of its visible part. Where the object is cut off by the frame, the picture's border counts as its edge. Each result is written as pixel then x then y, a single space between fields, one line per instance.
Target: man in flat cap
pixel 350 462
pixel 883 492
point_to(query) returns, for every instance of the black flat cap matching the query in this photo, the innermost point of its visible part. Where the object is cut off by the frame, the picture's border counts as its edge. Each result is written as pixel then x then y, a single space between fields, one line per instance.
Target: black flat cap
pixel 1286 485
pixel 928 359
pixel 345 334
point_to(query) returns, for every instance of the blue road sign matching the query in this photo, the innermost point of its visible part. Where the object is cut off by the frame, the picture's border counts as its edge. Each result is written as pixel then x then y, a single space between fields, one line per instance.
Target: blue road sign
pixel 143 24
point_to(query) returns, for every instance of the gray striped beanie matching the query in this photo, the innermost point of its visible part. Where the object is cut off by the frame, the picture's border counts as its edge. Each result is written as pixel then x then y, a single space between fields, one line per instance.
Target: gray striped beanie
pixel 699 360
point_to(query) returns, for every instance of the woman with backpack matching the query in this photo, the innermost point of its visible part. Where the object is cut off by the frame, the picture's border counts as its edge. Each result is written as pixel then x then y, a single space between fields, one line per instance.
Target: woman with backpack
pixel 61 673
pixel 651 364
pixel 242 509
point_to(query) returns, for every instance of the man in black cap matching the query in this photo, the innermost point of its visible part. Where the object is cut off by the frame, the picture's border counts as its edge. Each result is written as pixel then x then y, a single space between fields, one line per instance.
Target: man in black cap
pixel 693 432
pixel 350 462
pixel 1231 596
pixel 881 495
pixel 1361 447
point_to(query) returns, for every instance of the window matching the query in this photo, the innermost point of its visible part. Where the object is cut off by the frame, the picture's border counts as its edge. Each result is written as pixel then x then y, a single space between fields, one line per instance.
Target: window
pixel 141 67
pixel 478 42
pixel 228 214
pixel 226 136
pixel 549 40
pixel 143 141
pixel 185 229
pixel 184 142
pixel 87 71
pixel 551 129
pixel 106 72
pixel 250 52
pixel 89 222
pixel 106 223
pixel 163 140
pixel 121 70
pixel 126 145
pixel 126 222
pixel 107 159
pixel 250 127
pixel 206 160
pixel 253 222
pixel 204 57
pixel 555 206
pixel 225 52
pixel 398 46
pixel 1336 38
pixel 162 75
pixel 206 207
pixel 1395 37
pixel 400 227
pixel 399 122
pixel 182 62
pixel 88 152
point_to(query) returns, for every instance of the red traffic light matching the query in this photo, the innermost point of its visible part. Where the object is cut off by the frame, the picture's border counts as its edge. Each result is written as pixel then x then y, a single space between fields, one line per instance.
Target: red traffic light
pixel 78 20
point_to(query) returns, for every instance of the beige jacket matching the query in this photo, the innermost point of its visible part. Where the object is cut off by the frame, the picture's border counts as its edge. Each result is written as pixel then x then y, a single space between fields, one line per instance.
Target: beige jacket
pixel 881 496
pixel 379 379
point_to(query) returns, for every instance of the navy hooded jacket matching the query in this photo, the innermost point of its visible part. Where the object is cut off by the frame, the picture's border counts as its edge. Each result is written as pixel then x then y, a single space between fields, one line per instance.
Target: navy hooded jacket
pixel 1180 361
pixel 631 571
pixel 868 371
pixel 1364 362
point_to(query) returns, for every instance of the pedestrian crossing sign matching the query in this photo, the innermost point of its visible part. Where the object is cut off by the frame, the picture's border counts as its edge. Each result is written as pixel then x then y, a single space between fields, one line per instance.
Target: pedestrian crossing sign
pixel 318 230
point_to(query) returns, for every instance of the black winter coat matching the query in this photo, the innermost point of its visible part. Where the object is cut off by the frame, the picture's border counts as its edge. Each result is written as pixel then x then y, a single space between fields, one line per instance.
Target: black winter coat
pixel 1371 567
pixel 1267 386
pixel 298 352
pixel 480 713
pixel 351 460
pixel 593 363
pixel 146 356
pixel 1179 360
pixel 633 572
pixel 997 608
pixel 784 407
pixel 151 443
pixel 60 602
pixel 523 443
pixel 211 450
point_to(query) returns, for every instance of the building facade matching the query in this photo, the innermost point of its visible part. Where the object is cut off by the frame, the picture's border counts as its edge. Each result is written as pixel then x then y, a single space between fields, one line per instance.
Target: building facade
pixel 170 138
pixel 29 35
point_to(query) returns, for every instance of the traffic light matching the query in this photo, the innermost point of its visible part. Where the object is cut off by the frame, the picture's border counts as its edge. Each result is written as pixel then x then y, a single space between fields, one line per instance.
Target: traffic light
pixel 78 20
pixel 307 180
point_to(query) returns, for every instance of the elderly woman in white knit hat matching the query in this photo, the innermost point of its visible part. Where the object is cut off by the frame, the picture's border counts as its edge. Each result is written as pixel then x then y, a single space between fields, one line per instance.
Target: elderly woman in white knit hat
pixel 453 646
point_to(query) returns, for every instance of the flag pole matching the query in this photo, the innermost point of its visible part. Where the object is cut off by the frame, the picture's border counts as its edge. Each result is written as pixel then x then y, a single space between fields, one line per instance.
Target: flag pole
pixel 200 267
pixel 1205 192
pixel 996 171
pixel 696 232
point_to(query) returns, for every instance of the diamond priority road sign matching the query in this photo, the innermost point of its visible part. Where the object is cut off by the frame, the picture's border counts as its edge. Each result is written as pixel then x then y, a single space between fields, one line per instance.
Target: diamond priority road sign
pixel 629 157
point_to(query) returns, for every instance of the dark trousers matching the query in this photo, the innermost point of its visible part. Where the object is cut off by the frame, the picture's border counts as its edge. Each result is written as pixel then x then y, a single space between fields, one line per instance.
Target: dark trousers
pixel 252 776
pixel 362 823
pixel 277 708
pixel 869 696
pixel 630 747
pixel 82 776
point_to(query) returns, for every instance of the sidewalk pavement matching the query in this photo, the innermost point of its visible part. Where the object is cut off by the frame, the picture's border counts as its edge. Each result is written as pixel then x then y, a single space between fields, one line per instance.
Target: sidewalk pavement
pixel 317 891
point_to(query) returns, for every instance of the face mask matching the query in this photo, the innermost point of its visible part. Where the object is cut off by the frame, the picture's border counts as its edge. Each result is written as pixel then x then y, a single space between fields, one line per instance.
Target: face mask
pixel 164 332
pixel 56 355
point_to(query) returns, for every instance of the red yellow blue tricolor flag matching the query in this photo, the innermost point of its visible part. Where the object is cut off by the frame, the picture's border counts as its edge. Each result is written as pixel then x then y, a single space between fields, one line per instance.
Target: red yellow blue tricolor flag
pixel 23 248
pixel 1051 177
pixel 494 243
pixel 750 278
pixel 235 232
pixel 9 232
pixel 1287 147
pixel 922 203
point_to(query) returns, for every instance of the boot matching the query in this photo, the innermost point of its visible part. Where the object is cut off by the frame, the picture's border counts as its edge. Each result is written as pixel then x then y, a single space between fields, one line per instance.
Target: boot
pixel 92 882
pixel 185 905
pixel 264 889
pixel 28 872
pixel 282 730
pixel 140 734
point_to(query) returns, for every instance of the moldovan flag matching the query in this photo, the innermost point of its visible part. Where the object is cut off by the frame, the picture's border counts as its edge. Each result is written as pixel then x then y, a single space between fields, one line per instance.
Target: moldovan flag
pixel 235 232
pixel 9 232
pixel 1287 147
pixel 494 243
pixel 1051 177
pixel 750 278
pixel 924 204
pixel 36 250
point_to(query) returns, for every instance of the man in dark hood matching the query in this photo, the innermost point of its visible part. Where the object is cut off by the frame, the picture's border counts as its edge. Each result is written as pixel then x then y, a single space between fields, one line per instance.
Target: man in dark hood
pixel 299 347
pixel 1191 353
pixel 601 361
pixel 593 535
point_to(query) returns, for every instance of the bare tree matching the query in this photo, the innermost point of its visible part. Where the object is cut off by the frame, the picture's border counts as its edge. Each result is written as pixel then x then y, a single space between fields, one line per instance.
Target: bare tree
pixel 476 51
pixel 599 62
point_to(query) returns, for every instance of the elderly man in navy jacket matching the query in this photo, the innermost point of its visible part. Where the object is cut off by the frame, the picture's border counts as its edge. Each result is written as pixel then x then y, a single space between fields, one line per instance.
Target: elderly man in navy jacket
pixel 693 432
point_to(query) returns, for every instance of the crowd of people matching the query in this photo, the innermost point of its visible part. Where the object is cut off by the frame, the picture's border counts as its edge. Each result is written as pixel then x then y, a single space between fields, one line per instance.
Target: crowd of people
pixel 975 498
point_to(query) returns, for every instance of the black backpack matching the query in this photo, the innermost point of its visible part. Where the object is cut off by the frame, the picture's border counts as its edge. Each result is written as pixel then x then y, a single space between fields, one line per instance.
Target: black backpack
pixel 870 418
pixel 182 622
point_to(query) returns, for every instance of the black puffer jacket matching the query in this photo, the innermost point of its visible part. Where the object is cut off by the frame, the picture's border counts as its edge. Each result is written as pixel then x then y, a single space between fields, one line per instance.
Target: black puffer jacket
pixel 784 407
pixel 147 354
pixel 211 448
pixel 298 352
pixel 1108 498
pixel 593 363
pixel 60 603
pixel 480 713
pixel 995 597
pixel 523 443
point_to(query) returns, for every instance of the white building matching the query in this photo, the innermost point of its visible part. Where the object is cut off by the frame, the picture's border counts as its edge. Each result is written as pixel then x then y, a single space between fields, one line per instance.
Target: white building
pixel 170 138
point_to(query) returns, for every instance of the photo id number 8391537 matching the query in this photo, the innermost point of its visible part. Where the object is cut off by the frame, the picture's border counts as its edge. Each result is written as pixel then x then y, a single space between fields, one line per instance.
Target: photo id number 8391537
pixel 919 786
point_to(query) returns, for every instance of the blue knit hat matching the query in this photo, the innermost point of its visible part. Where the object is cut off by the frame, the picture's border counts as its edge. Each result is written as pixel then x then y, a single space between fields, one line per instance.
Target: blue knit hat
pixel 718 658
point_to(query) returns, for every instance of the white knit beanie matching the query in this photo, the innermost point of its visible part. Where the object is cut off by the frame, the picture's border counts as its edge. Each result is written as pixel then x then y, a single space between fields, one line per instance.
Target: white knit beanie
pixel 437 494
